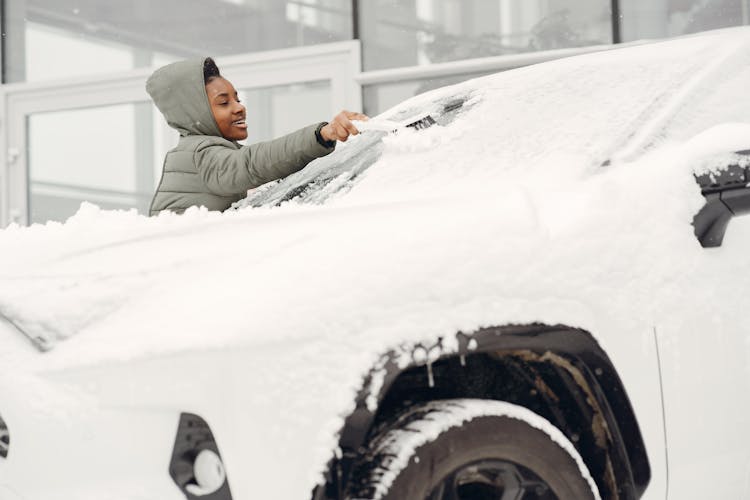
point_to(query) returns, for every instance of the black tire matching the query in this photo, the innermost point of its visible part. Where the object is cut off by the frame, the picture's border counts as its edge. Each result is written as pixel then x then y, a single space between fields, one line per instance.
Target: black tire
pixel 470 449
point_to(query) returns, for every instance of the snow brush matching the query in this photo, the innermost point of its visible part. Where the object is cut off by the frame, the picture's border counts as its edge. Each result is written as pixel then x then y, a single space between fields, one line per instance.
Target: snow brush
pixel 382 125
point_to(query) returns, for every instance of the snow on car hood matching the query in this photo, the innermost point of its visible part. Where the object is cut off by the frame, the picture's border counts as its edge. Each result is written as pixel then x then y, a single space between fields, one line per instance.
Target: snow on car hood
pixel 506 215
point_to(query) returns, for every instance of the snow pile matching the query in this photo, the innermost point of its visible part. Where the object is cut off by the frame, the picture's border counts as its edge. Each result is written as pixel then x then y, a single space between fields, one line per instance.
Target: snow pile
pixel 34 266
pixel 532 132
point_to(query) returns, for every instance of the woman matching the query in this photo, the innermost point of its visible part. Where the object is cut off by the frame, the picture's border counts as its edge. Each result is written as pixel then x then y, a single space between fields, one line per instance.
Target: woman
pixel 208 167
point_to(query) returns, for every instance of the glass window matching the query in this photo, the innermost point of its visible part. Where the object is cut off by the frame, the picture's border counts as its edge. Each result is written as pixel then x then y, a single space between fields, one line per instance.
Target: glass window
pixel 105 162
pixel 414 32
pixel 100 37
pixel 664 18
pixel 41 63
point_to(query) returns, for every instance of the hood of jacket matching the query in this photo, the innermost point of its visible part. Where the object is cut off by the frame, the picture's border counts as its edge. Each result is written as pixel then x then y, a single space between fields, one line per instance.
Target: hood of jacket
pixel 180 94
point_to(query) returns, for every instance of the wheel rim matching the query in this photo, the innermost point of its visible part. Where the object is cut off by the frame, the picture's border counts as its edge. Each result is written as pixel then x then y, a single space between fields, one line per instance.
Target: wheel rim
pixel 492 480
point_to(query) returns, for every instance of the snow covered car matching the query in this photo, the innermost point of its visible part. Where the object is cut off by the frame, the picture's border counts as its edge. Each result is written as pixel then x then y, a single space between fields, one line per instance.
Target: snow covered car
pixel 535 292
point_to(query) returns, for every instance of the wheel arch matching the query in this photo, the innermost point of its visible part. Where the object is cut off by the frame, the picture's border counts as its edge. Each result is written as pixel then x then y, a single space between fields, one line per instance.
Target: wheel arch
pixel 559 372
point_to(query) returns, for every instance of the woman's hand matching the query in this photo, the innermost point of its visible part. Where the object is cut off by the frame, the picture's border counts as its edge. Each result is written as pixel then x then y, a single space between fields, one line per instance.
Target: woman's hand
pixel 341 127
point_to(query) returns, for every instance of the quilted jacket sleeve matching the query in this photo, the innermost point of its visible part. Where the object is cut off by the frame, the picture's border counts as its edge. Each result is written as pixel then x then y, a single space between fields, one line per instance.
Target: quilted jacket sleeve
pixel 229 171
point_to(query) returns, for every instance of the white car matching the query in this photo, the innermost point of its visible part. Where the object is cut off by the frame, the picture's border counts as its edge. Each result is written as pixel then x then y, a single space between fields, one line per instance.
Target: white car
pixel 534 292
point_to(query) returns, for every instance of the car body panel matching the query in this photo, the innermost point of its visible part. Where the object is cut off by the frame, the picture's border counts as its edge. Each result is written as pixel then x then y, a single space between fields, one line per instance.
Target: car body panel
pixel 706 402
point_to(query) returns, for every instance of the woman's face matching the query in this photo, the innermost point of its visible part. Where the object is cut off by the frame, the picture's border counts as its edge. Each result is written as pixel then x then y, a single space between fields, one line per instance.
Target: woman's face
pixel 228 112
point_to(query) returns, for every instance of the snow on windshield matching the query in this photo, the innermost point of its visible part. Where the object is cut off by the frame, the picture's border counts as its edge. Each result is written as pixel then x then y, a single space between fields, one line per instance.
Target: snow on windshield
pixel 566 117
pixel 337 172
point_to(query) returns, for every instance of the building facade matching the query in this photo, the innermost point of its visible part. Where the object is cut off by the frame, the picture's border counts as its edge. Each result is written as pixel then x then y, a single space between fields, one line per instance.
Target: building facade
pixel 77 125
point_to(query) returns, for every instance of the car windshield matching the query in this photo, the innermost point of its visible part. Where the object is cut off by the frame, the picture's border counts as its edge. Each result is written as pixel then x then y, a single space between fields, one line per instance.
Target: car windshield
pixel 607 108
pixel 339 171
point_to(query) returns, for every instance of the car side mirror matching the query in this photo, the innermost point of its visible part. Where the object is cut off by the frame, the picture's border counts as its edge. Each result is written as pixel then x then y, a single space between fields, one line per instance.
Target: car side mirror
pixel 727 194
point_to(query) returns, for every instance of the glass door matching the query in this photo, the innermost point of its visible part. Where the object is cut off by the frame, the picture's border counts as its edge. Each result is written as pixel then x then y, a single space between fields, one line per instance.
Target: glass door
pixel 102 141
pixel 102 155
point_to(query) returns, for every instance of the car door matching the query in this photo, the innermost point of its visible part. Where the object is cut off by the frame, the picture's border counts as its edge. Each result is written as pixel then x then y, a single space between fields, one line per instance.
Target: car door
pixel 705 361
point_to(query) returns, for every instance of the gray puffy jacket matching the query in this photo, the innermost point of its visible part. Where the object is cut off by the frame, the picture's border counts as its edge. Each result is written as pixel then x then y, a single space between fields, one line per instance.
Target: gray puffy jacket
pixel 206 169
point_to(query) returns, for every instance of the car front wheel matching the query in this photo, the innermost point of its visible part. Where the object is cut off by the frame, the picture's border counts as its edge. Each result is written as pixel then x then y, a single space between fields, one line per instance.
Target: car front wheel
pixel 462 449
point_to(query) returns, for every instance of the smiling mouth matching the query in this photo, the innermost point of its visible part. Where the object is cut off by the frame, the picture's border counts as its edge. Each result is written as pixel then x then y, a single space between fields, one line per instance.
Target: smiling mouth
pixel 240 123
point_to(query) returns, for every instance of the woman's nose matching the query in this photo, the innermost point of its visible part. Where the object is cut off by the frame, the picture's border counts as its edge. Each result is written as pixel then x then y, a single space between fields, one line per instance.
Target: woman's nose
pixel 238 107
